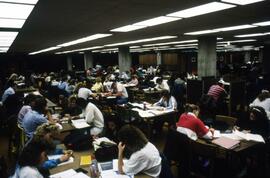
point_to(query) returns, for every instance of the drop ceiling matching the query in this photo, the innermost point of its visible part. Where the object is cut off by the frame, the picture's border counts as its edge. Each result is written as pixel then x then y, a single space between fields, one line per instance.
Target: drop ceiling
pixel 53 22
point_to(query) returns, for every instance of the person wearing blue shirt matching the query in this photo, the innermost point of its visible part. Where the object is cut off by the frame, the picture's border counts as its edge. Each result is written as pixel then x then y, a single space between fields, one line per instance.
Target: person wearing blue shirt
pixel 34 118
pixel 167 101
pixel 9 91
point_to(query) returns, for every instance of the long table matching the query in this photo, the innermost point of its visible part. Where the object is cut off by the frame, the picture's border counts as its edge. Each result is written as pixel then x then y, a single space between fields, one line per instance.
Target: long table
pixel 76 164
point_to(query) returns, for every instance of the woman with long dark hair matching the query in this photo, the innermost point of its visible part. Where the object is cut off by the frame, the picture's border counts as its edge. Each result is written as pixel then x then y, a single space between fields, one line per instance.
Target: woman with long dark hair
pixel 142 155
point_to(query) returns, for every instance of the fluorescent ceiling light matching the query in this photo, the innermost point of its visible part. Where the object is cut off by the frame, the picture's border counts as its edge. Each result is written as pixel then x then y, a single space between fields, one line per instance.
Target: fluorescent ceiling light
pixel 85 39
pixel 157 21
pixel 238 27
pixel 127 28
pixel 201 32
pixel 250 35
pixel 142 40
pixel 3 48
pixel 266 23
pixel 8 34
pixel 183 45
pixel 15 11
pixel 11 23
pixel 21 1
pixel 132 47
pixel 236 41
pixel 44 50
pixel 242 2
pixel 81 49
pixel 173 42
pixel 202 9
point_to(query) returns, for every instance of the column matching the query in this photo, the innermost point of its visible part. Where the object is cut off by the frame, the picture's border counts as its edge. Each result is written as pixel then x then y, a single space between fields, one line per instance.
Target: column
pixel 159 58
pixel 88 60
pixel 265 60
pixel 207 56
pixel 247 56
pixel 124 59
pixel 69 63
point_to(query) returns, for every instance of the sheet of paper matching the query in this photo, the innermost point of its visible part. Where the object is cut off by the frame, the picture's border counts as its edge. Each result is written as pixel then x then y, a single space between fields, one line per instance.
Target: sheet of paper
pixel 231 135
pixel 115 164
pixel 70 160
pixel 216 134
pixel 80 175
pixel 64 174
pixel 79 123
pixel 255 137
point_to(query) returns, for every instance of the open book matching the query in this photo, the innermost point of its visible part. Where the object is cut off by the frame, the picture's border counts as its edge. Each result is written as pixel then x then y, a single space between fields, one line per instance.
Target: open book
pixel 80 123
pixel 249 136
pixel 70 173
pixel 226 142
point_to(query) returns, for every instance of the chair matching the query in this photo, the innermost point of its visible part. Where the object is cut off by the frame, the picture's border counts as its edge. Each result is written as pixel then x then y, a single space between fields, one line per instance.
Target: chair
pixel 177 149
pixel 230 121
pixel 205 151
pixel 23 137
pixel 165 168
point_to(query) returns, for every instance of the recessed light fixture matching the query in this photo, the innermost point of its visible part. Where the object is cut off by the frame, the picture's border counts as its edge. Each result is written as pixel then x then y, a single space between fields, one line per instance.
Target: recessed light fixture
pixel 142 40
pixel 250 35
pixel 15 11
pixel 45 50
pixel 128 28
pixel 157 21
pixel 85 39
pixel 266 23
pixel 242 2
pixel 11 23
pixel 202 9
pixel 21 1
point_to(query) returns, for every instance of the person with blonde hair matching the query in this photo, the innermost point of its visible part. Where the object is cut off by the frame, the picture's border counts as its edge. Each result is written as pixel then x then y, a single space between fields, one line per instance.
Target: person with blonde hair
pixel 98 86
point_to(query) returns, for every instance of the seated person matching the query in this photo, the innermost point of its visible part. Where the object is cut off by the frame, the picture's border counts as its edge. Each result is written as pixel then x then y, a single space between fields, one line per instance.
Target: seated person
pixel 9 91
pixel 167 101
pixel 36 117
pixel 134 80
pixel 263 100
pixel 32 157
pixel 120 92
pixel 98 87
pixel 84 93
pixel 72 109
pixel 29 102
pixel 46 132
pixel 143 156
pixel 92 115
pixel 190 125
pixel 258 122
pixel 162 85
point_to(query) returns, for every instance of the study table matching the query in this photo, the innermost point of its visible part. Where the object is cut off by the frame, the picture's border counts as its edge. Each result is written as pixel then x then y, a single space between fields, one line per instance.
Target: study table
pixel 76 164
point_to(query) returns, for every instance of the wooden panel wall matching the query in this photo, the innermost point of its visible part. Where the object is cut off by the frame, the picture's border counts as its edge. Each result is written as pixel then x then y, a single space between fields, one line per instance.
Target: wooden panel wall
pixel 148 59
pixel 170 59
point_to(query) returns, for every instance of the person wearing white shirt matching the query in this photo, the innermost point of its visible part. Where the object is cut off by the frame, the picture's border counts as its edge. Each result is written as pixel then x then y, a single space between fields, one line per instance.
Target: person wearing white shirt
pixel 92 115
pixel 120 92
pixel 162 85
pixel 84 93
pixel 142 156
pixel 263 100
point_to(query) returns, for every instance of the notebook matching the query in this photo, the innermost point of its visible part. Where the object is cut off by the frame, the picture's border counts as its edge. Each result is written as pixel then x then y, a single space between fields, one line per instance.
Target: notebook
pixel 226 142
pixel 85 160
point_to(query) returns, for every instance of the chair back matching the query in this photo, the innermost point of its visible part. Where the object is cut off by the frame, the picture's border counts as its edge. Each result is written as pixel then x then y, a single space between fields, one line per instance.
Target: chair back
pixel 230 121
pixel 23 137
pixel 165 168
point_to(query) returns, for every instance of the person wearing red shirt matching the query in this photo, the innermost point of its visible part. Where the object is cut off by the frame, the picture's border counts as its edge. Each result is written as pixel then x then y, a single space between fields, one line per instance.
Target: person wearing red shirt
pixel 190 125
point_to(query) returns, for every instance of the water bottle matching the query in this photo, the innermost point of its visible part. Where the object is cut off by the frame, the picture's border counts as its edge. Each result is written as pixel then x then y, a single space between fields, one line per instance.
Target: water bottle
pixel 94 172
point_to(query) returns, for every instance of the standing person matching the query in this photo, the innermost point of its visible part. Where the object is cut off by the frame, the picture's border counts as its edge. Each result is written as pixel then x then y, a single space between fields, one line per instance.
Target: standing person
pixel 143 156
pixel 190 125
pixel 92 115
pixel 84 93
pixel 9 91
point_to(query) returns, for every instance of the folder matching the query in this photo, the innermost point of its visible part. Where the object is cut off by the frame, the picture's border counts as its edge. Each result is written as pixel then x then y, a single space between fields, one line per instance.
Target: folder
pixel 227 143
pixel 85 160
